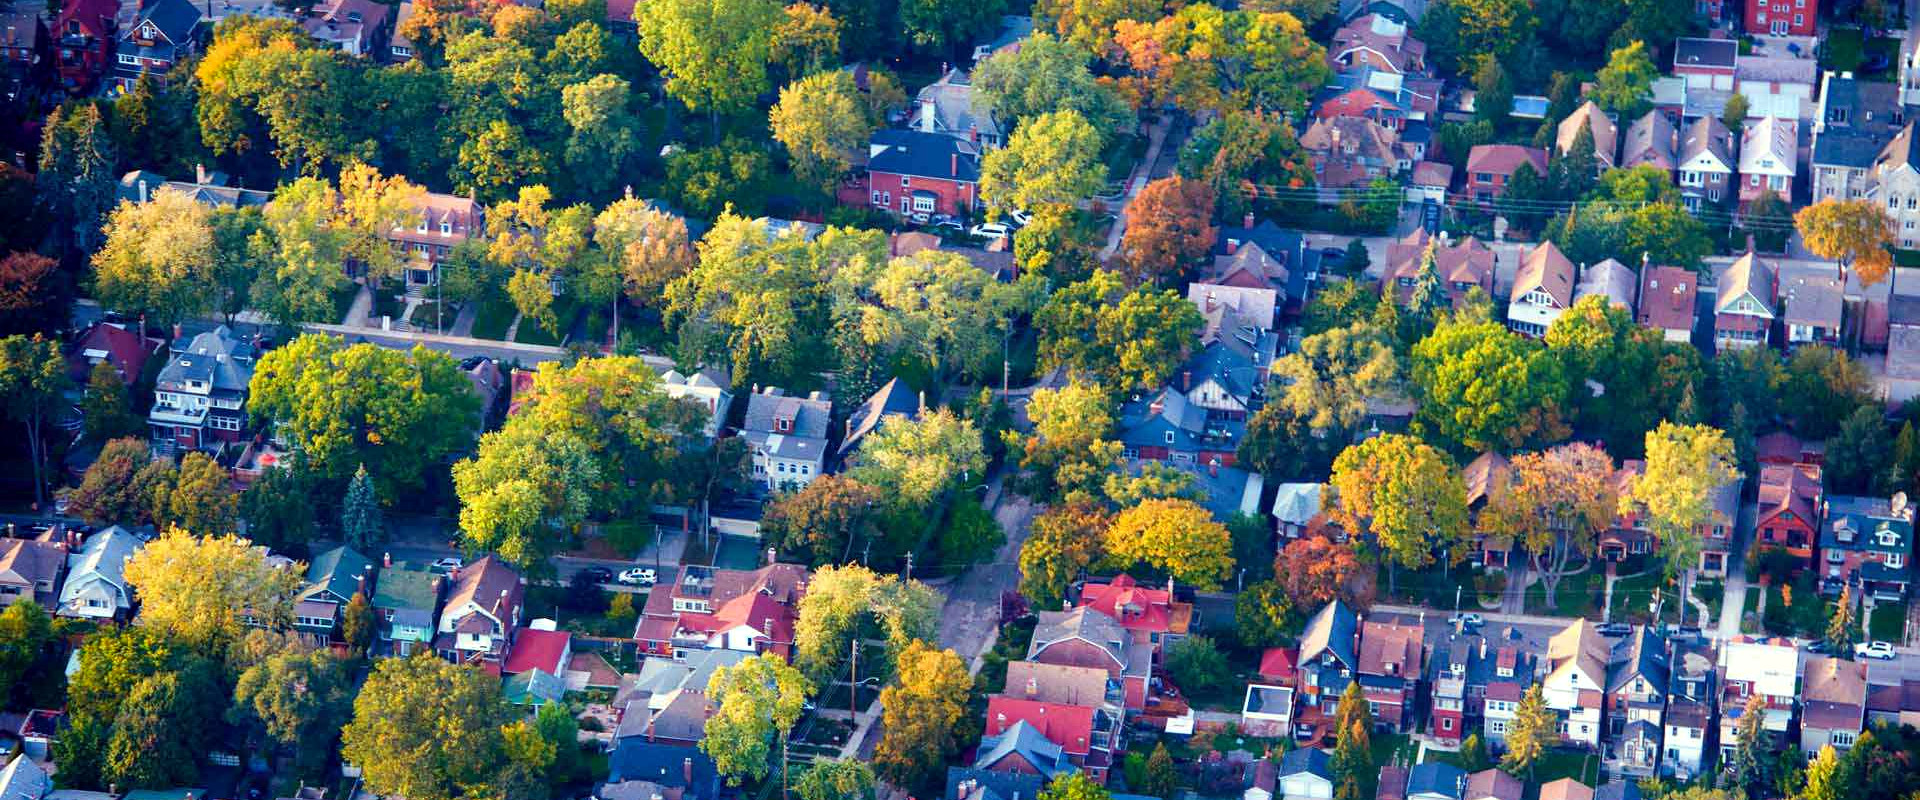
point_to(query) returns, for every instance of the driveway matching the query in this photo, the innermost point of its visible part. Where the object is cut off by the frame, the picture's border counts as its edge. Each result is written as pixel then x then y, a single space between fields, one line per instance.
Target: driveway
pixel 971 618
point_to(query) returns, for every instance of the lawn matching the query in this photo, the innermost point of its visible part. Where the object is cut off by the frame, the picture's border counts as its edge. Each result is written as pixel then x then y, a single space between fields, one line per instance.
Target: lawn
pixel 1633 597
pixel 343 300
pixel 1556 764
pixel 531 332
pixel 1578 596
pixel 1888 623
pixel 422 319
pixel 387 304
pixel 1846 50
pixel 1433 587
pixel 1393 748
pixel 490 321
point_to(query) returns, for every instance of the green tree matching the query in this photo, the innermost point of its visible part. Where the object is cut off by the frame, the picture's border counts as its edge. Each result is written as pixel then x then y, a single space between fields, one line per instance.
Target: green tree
pixel 1473 752
pixel 1493 93
pixel 1264 616
pixel 969 536
pixel 1069 454
pixel 360 518
pixel 524 489
pixel 277 509
pixel 1077 786
pixel 826 521
pixel 839 600
pixel 924 715
pixel 714 52
pixel 940 25
pixel 1841 626
pixel 1819 388
pixel 1859 454
pixel 1066 539
pixel 299 699
pixel 1196 665
pixel 1126 338
pixel 1047 74
pixel 1051 159
pixel 1465 362
pixel 33 387
pixel 915 461
pixel 153 737
pixel 1685 465
pixel 756 701
pixel 1734 116
pixel 1533 730
pixel 1242 147
pixel 157 258
pixel 604 132
pixel 836 780
pixel 26 632
pixel 1329 381
pixel 1178 537
pixel 298 253
pixel 1162 780
pixel 108 493
pixel 200 498
pixel 1825 780
pixel 1576 171
pixel 1462 34
pixel 75 178
pixel 1625 83
pixel 105 412
pixel 1407 494
pixel 1749 763
pixel 445 717
pixel 822 121
pixel 1643 377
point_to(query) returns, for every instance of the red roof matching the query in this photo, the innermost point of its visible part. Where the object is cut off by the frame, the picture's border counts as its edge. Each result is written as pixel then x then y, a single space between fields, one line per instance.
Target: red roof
pixel 538 649
pixel 1071 727
pixel 116 345
pixel 522 389
pixel 1279 664
pixel 1667 298
pixel 1135 607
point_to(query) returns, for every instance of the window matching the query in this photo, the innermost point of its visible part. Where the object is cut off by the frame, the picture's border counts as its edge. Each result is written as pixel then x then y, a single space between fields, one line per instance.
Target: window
pixel 923 204
pixel 446 228
pixel 1896 561
pixel 1169 437
pixel 1842 738
pixel 129 60
pixel 1446 723
pixel 905 181
pixel 1799 19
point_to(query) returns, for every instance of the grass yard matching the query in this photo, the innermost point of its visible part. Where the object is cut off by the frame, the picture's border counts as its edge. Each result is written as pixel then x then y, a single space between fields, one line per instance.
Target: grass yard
pixel 423 316
pixel 1394 748
pixel 1578 596
pixel 531 332
pixel 1556 764
pixel 343 300
pixel 1847 50
pixel 1888 623
pixel 490 321
pixel 1633 597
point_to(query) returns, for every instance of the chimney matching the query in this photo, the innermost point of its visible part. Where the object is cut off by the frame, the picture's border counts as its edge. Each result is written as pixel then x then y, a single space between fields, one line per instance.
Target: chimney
pixel 1213 467
pixel 923 401
pixel 143 190
pixel 953 165
pixel 1186 381
pixel 686 771
pixel 770 555
pixel 1247 221
pixel 1033 686
pixel 176 330
pixel 386 560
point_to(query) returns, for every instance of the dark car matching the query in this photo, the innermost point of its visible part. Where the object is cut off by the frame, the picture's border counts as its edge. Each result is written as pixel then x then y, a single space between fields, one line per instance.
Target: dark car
pixel 597 574
pixel 1614 629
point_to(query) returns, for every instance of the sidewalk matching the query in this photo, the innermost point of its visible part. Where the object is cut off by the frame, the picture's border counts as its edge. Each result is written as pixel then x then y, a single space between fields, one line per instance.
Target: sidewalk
pixel 435 338
pixel 1489 616
pixel 1156 136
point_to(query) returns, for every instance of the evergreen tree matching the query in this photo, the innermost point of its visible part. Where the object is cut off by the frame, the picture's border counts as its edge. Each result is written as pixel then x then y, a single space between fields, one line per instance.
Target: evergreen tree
pixel 1688 411
pixel 1840 626
pixel 1749 764
pixel 360 518
pixel 1357 259
pixel 1576 171
pixel 1429 299
pixel 1352 760
pixel 1534 729
pixel 1493 93
pixel 1161 778
pixel 1906 459
pixel 1473 753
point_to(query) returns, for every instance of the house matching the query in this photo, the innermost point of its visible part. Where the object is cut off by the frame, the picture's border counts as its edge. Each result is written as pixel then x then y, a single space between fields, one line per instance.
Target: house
pixel 1781 17
pixel 1812 307
pixel 357 27
pixel 405 599
pixel 1895 180
pixel 1852 122
pixel 1228 308
pixel 1390 672
pixel 1767 160
pixel 83 36
pixel 927 173
pixel 1777 87
pixel 1628 535
pixel 967 783
pixel 1463 266
pixel 1429 182
pixel 199 399
pixel 1393 783
pixel 1577 659
pixel 1833 696
pixel 1150 615
pixel 23 779
pixel 662 769
pixel 706 387
pixel 1609 279
pixel 1782 447
pixel 209 188
pixel 1282 262
pixel 1086 735
pixel 677 718
pixel 1716 534
pixel 1706 64
pixel 1667 301
pixel 1748 667
pixel 1744 308
pixel 1485 476
pixel 1260 781
pixel 164 33
pixel 1842 163
pixel 400 49
pixel 1349 152
pixel 1652 141
pixel 1012 30
pixel 1329 656
pixel 1222 380
pixel 950 107
pixel 1606 135
pixel 539 648
pixel 1378 42
pixel 787 436
pixel 1491 166
pixel 1865 545
pixel 1267 710
pixel 1022 748
pixel 1305 773
pixel 1565 789
pixel 1895 704
pixel 708 608
pixel 893 400
pixel 1389 98
pixel 1688 722
pixel 1903 336
pixel 23 52
pixel 1279 665
pixel 1789 511
pixel 1086 638
pixel 440 222
pixel 1706 162
pixel 96 586
pixel 1167 426
pixel 1492 784
pixel 1294 507
pixel 482 613
pixel 1466 672
pixel 1064 685
pixel 1637 681
pixel 30 570
pixel 333 578
pixel 1436 780
pixel 113 344
pixel 1542 291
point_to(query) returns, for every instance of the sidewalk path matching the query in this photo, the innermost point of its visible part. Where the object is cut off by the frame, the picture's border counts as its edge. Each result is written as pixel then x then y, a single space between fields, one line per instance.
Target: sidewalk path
pixel 362 306
pixel 1733 598
pixel 1142 172
pixel 459 346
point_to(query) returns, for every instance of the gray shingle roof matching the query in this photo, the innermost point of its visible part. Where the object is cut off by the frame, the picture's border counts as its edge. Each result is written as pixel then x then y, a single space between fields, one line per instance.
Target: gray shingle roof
pixel 1331 630
pixel 1842 147
pixel 215 358
pixel 925 155
pixel 1309 760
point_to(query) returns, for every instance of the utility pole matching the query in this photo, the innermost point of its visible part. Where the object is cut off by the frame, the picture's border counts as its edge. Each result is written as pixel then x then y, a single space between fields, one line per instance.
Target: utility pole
pixel 853 680
pixel 909 573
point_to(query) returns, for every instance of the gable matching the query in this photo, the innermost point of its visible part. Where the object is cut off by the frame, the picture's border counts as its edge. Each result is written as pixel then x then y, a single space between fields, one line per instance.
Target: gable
pixel 1705 162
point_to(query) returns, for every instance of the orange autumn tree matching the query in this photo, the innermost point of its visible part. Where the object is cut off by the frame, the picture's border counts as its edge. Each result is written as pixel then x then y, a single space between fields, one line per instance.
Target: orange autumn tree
pixel 1855 233
pixel 1169 230
pixel 1204 59
pixel 1555 504
pixel 1313 570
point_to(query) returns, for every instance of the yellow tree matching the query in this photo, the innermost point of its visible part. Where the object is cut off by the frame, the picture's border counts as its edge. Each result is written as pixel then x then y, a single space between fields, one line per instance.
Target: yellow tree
pixel 199 590
pixel 1855 233
pixel 158 258
pixel 649 246
pixel 1406 494
pixel 822 121
pixel 923 714
pixel 1178 537
pixel 1534 729
pixel 1685 465
pixel 1555 503
pixel 373 205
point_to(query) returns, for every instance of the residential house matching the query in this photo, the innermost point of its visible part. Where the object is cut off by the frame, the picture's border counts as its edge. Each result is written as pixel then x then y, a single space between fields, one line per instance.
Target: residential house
pixel 1390 672
pixel 638 769
pixel 440 223
pixel 1767 160
pixel 1577 659
pixel 1667 301
pixel 1652 141
pixel 23 51
pixel 1462 668
pixel 400 49
pixel 96 586
pixel 1463 266
pixel 1294 507
pixel 84 33
pixel 1485 476
pixel 1267 710
pixel 967 783
pixel 1716 534
pixel 1833 698
pixel 210 188
pixel 164 33
pixel 1542 291
pixel 113 344
pixel 1491 166
pixel 1391 99
pixel 1841 163
pixel 406 599
pixel 1687 726
pixel 893 400
pixel 1086 736
pixel 708 608
pixel 1706 162
pixel 1706 64
pixel 1781 17
pixel 1086 638
pixel 1436 780
pixel 1749 667
pixel 1279 665
pixel 913 173
pixel 1609 279
pixel 1024 749
pixel 1305 773
pixel 1012 30
pixel 1896 182
pixel 1894 704
pixel 357 27
pixel 199 399
pixel 1349 152
pixel 23 779
pixel 1168 426
pixel 1745 306
pixel 539 648
pixel 1149 615
pixel 1903 336
pixel 950 107
pixel 1813 307
pixel 1237 311
pixel 1778 87
pixel 1637 681
pixel 1853 121
pixel 1492 784
pixel 1260 781
pixel 787 436
pixel 1629 534
pixel 677 718
pixel 333 578
pixel 482 614
pixel 1565 789
pixel 30 570
pixel 1789 512
pixel 1866 544
pixel 1265 256
pixel 1606 135
pixel 706 387
pixel 1429 182
pixel 1064 685
pixel 1329 657
pixel 1379 42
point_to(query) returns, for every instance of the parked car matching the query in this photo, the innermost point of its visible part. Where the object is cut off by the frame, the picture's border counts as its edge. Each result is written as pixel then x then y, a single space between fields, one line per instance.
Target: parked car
pixel 1020 218
pixel 597 574
pixel 991 230
pixel 446 565
pixel 1817 647
pixel 639 576
pixel 1467 621
pixel 1880 650
pixel 946 221
pixel 1614 630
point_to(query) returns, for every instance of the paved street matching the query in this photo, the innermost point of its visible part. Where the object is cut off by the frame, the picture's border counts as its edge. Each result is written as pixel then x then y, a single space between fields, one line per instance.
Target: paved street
pixel 971 616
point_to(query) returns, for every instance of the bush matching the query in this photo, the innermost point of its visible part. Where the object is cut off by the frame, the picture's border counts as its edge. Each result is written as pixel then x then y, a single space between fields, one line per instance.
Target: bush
pixel 1196 665
pixel 621 610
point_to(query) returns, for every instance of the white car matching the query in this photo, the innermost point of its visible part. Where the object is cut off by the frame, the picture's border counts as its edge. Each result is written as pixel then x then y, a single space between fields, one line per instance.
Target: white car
pixel 445 565
pixel 638 576
pixel 1879 650
pixel 1020 218
pixel 1468 620
pixel 991 230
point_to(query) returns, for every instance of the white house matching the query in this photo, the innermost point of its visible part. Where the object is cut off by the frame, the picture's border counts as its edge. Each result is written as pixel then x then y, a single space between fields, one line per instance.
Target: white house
pixel 96 586
pixel 483 611
pixel 1267 710
pixel 1542 291
pixel 1576 681
pixel 707 387
pixel 1768 157
pixel 1749 667
pixel 788 437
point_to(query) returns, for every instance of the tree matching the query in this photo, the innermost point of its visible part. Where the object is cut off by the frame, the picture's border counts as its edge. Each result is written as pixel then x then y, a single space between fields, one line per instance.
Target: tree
pixel 821 120
pixel 1859 454
pixel 1462 34
pixel 1574 173
pixel 1734 116
pixel 1824 778
pixel 915 461
pixel 278 511
pixel 372 206
pixel 840 599
pixel 1840 627
pixel 1314 570
pixel 26 633
pixel 1493 93
pixel 33 386
pixel 298 253
pixel 105 412
pixel 1555 504
pixel 1065 540
pixel 523 489
pixel 1329 381
pixel 445 717
pixel 360 519
pixel 1533 730
pixel 1264 616
pixel 1045 74
pixel 923 715
pixel 299 699
pixel 1243 149
pixel 34 295
pixel 1642 377
pixel 808 40
pixel 705 181
pixel 1125 338
pixel 1473 752
pixel 714 52
pixel 157 258
pixel 1749 763
pixel 755 701
pixel 1178 537
pixel 1171 232
pixel 1464 362
pixel 1819 388
pixel 1856 233
pixel 1051 159
pixel 75 178
pixel 824 521
pixel 1685 466
pixel 648 245
pixel 939 25
pixel 200 498
pixel 931 307
pixel 1088 24
pixel 345 407
pixel 357 623
pixel 1077 786
pixel 153 737
pixel 970 535
pixel 1201 58
pixel 198 589
pixel 1069 454
pixel 1625 83
pixel 108 493
pixel 1161 777
pixel 1196 665
pixel 836 780
pixel 1407 494
pixel 605 133
pixel 1769 220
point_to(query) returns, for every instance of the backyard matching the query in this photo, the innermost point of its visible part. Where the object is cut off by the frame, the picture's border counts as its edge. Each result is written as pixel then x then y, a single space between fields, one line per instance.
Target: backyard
pixel 1888 623
pixel 1848 50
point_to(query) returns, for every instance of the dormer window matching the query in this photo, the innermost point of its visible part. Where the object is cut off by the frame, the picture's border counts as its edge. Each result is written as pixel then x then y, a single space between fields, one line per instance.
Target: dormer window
pixel 446 228
pixel 423 225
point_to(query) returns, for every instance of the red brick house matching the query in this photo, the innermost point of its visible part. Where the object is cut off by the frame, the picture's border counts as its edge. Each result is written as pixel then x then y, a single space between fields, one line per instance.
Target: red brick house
pixel 1390 671
pixel 1086 638
pixel 1790 499
pixel 1490 166
pixel 1782 17
pixel 1086 736
pixel 919 174
pixel 1151 615
pixel 107 342
pixel 84 34
pixel 749 611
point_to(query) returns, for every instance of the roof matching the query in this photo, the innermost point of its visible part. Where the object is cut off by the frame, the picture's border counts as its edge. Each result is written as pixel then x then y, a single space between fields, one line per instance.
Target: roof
pixel 1705 53
pixel 1896 699
pixel 402 587
pixel 1903 150
pixel 1651 140
pixel 1866 524
pixel 22 779
pixel 1390 650
pixel 1775 69
pixel 1492 784
pixel 892 399
pixel 490 584
pixel 29 561
pixel 1331 630
pixel 660 677
pixel 1279 664
pixel 216 358
pixel 1770 666
pixel 337 574
pixel 1709 136
pixel 1667 298
pixel 1274 701
pixel 1307 760
pixel 1296 503
pixel 1349 151
pixel 638 759
pixel 968 783
pixel 1056 683
pixel 1379 35
pixel 1580 646
pixel 807 437
pixel 535 649
pixel 1610 279
pixel 1081 624
pixel 1813 299
pixel 1503 159
pixel 347 21
pixel 951 106
pixel 103 555
pixel 1606 135
pixel 1432 173
pixel 1566 789
pixel 114 344
pixel 1483 474
pixel 1022 739
pixel 1545 269
pixel 1747 275
pixel 535 687
pixel 1136 607
pixel 923 155
pixel 1767 146
pixel 1846 147
pixel 1644 655
pixel 176 20
pixel 1435 778
pixel 1618 789
pixel 1070 726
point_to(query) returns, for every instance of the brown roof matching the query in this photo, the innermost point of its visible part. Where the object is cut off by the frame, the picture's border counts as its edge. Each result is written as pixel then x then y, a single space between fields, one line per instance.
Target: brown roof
pixel 24 562
pixel 1393 784
pixel 1651 140
pixel 1056 683
pixel 1432 173
pixel 1667 298
pixel 1547 269
pixel 1503 159
pixel 1789 487
pixel 1606 135
pixel 1492 784
pixel 1708 135
pixel 490 584
pixel 1582 645
pixel 1566 789
pixel 1834 680
pixel 1895 699
pixel 1390 650
pixel 1466 260
pixel 1483 474
pixel 1344 148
